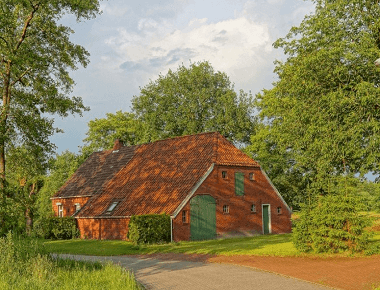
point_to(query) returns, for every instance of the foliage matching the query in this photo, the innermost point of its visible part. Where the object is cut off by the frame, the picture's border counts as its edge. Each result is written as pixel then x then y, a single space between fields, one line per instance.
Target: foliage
pixel 60 170
pixel 36 56
pixel 332 223
pixel 24 264
pixel 12 216
pixel 103 132
pixel 57 228
pixel 149 229
pixel 290 180
pixel 324 109
pixel 193 100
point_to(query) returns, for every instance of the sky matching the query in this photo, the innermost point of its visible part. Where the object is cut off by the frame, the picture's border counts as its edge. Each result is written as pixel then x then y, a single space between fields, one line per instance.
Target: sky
pixel 132 42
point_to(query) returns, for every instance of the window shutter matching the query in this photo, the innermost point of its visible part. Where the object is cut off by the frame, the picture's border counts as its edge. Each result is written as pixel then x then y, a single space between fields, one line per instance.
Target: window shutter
pixel 239 183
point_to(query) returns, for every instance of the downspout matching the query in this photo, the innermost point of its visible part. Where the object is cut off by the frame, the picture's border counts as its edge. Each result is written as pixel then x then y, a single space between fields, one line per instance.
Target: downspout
pixel 171 229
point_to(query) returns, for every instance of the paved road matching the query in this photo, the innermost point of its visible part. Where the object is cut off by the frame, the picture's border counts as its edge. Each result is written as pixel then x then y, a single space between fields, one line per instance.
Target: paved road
pixel 185 275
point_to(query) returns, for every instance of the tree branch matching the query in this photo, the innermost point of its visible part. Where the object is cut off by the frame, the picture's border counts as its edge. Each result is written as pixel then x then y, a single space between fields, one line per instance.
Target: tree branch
pixel 19 79
pixel 27 23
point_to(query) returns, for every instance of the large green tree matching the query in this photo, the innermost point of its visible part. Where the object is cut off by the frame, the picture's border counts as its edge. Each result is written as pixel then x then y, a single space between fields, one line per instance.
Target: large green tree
pixel 324 110
pixel 36 55
pixel 103 132
pixel 192 100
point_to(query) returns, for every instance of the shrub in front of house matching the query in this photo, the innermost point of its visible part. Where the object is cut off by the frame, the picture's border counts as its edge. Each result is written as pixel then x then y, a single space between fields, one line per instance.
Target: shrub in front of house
pixel 149 229
pixel 333 223
pixel 57 228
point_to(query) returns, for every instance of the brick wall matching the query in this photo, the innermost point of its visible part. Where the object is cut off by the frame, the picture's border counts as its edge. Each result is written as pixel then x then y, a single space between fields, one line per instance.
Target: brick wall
pixel 103 229
pixel 240 219
pixel 68 204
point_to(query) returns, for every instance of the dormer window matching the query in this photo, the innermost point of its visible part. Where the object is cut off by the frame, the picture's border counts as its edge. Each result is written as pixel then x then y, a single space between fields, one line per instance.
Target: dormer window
pixel 112 207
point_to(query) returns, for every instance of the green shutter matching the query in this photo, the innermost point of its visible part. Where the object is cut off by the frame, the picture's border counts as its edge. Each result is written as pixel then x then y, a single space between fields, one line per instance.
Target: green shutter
pixel 239 183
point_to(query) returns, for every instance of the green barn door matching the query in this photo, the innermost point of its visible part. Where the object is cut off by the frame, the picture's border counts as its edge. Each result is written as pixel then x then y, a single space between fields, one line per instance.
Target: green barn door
pixel 202 218
pixel 266 219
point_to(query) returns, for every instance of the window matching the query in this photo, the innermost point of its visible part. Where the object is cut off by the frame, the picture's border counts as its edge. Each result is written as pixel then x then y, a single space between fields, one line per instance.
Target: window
pixel 226 208
pixel 251 176
pixel 184 216
pixel 77 207
pixel 239 183
pixel 279 210
pixel 224 174
pixel 60 210
pixel 253 208
pixel 112 206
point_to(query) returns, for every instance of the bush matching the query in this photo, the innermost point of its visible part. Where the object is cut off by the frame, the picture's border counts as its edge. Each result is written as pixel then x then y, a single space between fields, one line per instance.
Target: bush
pixel 148 229
pixel 332 224
pixel 57 228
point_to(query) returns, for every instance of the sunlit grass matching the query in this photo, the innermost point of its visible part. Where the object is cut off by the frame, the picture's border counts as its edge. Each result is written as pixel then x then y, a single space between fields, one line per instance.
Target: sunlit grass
pixel 273 245
pixel 263 245
pixel 24 264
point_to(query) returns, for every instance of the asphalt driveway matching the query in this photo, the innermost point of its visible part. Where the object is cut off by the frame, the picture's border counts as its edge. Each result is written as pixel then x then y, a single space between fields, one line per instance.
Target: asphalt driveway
pixel 154 273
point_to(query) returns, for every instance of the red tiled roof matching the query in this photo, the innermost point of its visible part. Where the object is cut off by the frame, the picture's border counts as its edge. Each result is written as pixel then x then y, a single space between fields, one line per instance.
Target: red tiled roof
pixel 161 174
pixel 91 176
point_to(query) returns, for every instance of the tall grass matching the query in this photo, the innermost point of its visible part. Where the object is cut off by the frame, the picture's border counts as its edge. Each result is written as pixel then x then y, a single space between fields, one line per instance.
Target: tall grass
pixel 25 265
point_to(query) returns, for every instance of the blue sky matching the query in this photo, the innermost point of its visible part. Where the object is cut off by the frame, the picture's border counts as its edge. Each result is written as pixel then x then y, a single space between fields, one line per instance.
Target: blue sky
pixel 132 42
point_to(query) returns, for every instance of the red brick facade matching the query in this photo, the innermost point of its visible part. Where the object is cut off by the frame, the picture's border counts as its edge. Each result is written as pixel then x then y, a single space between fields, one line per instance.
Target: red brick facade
pixel 240 218
pixel 68 204
pixel 103 229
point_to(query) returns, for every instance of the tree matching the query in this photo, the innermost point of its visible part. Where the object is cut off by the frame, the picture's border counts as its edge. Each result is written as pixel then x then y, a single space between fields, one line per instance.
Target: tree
pixel 35 57
pixel 103 132
pixel 193 100
pixel 60 170
pixel 324 108
pixel 25 171
pixel 291 181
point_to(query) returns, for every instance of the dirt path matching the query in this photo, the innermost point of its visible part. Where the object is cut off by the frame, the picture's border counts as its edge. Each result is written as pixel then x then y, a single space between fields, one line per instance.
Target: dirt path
pixel 344 273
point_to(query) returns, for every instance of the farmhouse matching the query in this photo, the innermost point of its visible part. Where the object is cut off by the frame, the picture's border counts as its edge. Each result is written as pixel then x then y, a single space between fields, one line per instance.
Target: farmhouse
pixel 208 187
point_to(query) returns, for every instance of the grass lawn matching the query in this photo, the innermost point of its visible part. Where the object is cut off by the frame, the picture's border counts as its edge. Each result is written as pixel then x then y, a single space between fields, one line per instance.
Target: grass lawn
pixel 268 245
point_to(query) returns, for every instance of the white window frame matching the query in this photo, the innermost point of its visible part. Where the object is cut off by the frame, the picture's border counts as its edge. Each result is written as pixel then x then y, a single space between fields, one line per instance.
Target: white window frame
pixel 253 208
pixel 60 210
pixel 184 217
pixel 226 209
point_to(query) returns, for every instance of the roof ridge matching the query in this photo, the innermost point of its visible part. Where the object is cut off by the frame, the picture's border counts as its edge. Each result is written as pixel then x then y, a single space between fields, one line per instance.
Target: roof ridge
pixel 178 137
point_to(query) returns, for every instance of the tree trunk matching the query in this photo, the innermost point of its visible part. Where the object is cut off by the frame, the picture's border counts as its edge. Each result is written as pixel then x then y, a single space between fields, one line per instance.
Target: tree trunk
pixel 3 121
pixel 28 212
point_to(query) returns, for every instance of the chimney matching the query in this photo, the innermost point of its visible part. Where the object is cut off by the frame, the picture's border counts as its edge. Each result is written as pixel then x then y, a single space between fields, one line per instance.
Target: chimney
pixel 117 145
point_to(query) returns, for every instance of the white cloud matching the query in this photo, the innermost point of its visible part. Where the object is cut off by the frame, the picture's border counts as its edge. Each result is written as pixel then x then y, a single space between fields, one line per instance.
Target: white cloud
pixel 237 46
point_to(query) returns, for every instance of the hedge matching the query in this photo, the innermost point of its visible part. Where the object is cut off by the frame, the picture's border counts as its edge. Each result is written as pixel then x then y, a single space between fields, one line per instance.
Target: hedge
pixel 149 229
pixel 57 228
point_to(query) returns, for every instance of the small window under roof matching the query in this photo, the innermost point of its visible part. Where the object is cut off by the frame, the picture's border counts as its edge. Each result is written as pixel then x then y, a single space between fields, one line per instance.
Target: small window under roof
pixel 112 206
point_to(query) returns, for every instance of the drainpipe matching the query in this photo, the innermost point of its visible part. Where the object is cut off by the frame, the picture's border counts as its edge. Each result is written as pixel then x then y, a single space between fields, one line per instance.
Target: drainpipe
pixel 171 229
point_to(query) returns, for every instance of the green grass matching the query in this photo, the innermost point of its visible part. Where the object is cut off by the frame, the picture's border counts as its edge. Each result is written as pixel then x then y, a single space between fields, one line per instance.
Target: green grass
pixel 263 245
pixel 24 264
pixel 273 245
pixel 268 245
